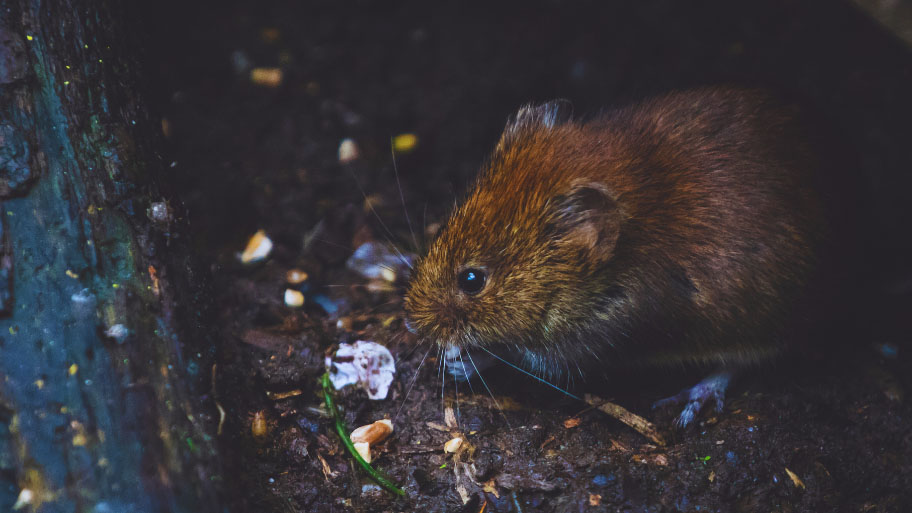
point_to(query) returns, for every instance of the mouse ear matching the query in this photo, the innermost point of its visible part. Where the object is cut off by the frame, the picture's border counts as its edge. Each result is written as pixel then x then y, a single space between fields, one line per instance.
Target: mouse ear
pixel 546 115
pixel 587 217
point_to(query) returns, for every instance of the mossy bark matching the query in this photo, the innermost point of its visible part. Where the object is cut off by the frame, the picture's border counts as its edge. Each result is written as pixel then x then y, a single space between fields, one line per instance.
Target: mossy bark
pixel 103 361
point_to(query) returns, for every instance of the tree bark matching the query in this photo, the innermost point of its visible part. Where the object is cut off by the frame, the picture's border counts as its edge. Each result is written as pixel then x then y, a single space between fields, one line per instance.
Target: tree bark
pixel 100 393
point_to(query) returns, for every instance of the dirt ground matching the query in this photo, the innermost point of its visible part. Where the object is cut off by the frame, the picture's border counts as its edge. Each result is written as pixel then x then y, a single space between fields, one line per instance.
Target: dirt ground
pixel 828 432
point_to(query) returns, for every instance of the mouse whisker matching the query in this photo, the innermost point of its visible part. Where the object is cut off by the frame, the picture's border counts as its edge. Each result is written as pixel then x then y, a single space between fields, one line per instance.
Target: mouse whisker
pixel 414 380
pixel 499 408
pixel 456 385
pixel 390 236
pixel 524 371
pixel 331 243
pixel 424 228
pixel 402 196
pixel 466 373
pixel 443 374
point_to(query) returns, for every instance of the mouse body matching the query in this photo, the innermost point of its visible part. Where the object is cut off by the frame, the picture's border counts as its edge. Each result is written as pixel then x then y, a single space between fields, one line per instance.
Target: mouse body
pixel 684 229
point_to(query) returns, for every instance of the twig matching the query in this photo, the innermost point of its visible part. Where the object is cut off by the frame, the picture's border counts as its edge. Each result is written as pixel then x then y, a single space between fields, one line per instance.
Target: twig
pixel 643 426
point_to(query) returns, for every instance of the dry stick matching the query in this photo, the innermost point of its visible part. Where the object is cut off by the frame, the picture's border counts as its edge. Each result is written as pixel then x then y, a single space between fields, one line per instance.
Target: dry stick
pixel 643 426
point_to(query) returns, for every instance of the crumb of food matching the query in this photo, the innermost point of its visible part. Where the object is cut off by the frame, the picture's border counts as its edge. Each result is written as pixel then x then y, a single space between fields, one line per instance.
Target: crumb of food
pixel 259 426
pixel 372 433
pixel 294 298
pixel 258 247
pixel 404 143
pixel 295 276
pixel 348 151
pixel 268 77
pixel 364 363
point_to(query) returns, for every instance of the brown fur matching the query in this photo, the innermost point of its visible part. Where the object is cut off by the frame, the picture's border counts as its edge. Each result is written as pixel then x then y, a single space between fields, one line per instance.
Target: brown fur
pixel 683 228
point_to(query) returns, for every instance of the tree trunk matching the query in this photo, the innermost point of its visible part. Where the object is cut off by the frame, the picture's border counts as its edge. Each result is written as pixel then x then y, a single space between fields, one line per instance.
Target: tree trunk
pixel 101 406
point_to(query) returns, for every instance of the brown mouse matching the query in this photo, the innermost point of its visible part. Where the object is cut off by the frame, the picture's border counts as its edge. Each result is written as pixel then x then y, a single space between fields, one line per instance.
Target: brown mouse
pixel 682 229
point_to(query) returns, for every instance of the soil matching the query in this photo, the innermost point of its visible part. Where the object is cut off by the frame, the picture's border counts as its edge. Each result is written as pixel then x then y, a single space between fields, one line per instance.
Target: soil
pixel 826 432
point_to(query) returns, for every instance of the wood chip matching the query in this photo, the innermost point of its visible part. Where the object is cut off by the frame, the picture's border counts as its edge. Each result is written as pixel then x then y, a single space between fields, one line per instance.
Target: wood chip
pixel 278 396
pixel 641 425
pixel 491 487
pixel 795 479
pixel 437 426
pixel 449 417
pixel 327 471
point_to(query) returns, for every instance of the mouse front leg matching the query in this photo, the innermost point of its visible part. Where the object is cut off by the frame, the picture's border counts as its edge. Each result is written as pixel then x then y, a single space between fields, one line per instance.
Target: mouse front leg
pixel 711 390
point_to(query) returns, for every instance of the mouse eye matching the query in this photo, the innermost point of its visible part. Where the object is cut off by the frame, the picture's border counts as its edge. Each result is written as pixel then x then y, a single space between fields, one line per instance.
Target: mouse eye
pixel 472 280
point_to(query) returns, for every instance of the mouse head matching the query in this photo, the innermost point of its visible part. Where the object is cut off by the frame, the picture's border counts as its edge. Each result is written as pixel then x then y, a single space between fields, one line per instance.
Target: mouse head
pixel 517 262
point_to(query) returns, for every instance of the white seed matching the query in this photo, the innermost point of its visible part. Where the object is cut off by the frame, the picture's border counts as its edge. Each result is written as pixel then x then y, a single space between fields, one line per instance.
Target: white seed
pixel 452 445
pixel 293 298
pixel 348 151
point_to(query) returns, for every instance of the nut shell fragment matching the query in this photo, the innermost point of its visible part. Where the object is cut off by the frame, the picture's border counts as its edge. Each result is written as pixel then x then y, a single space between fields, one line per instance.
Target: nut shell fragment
pixel 258 247
pixel 373 433
pixel 452 445
pixel 363 449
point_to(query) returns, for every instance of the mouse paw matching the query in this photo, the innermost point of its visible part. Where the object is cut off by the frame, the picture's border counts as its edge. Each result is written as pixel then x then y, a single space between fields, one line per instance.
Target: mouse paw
pixel 709 391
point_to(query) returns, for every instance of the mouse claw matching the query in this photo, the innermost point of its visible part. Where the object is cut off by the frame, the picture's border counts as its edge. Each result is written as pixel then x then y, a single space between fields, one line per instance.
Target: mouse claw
pixel 709 391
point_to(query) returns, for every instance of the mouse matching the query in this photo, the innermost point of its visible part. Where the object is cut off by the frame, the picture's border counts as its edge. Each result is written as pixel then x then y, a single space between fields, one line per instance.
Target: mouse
pixel 685 229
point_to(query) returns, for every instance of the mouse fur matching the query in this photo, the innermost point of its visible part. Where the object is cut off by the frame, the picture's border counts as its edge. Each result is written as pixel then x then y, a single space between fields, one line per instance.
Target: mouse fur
pixel 683 229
